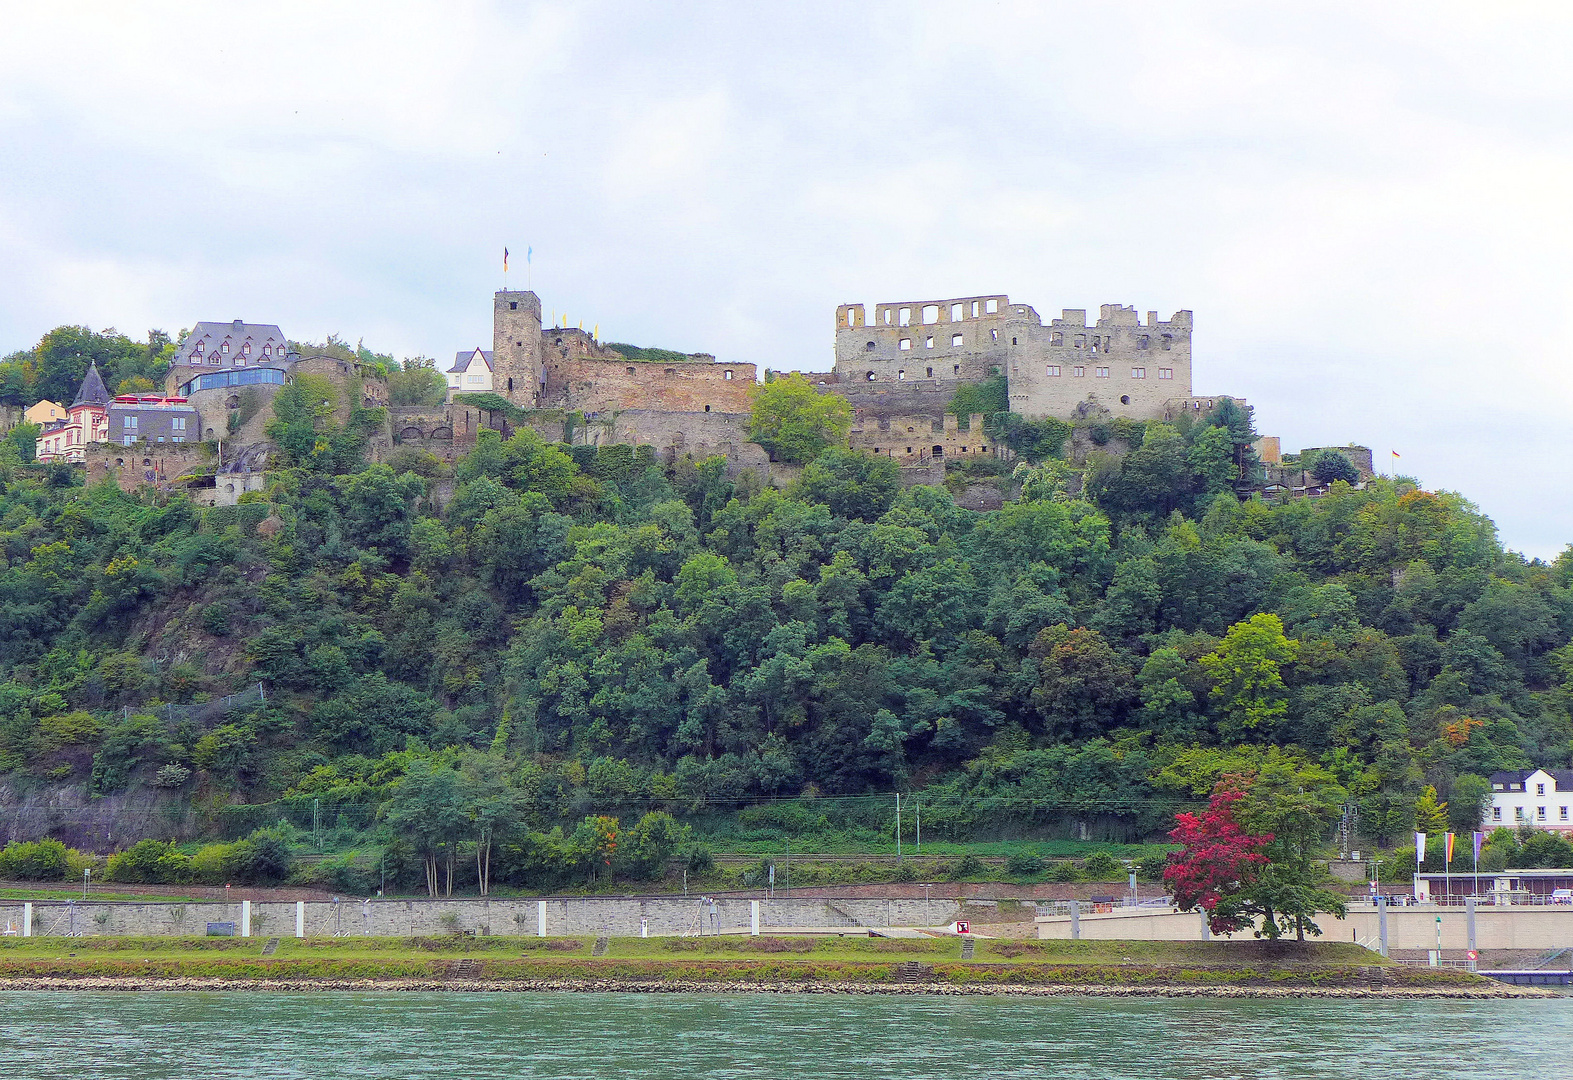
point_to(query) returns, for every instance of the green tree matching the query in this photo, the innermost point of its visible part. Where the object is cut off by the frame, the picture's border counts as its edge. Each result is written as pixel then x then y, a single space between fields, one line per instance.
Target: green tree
pixel 1246 672
pixel 795 422
pixel 1467 802
pixel 1296 805
pixel 854 484
pixel 24 438
pixel 427 809
pixel 417 382
pixel 1330 465
pixel 1430 815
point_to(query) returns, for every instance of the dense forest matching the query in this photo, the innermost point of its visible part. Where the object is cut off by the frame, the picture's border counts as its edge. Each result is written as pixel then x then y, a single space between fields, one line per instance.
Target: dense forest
pixel 581 634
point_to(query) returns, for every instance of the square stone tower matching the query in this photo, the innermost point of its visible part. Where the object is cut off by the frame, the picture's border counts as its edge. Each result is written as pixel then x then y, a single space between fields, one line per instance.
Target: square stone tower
pixel 516 347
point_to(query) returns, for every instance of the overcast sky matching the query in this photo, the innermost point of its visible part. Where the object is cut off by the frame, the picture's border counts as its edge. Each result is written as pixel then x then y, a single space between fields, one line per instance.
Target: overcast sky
pixel 1366 205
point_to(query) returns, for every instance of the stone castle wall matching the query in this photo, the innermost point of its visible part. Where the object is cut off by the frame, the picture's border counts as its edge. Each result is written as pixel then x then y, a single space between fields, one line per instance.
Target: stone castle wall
pixel 921 437
pixel 598 386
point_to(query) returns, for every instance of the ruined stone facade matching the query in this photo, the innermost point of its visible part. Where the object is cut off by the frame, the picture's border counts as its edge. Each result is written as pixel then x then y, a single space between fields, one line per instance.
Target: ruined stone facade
pixel 914 439
pixel 1129 366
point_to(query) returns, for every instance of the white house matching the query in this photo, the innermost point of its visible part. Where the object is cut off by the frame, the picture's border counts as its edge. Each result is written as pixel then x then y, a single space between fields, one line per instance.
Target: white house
pixel 1542 798
pixel 471 373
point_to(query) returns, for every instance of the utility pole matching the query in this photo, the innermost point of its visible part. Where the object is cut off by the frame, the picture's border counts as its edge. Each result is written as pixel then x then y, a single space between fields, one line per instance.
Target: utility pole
pixel 898 825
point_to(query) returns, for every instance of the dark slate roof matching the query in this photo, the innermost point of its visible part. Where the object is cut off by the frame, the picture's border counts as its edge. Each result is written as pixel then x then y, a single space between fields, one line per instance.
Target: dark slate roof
pixel 462 360
pixel 214 334
pixel 1563 777
pixel 93 390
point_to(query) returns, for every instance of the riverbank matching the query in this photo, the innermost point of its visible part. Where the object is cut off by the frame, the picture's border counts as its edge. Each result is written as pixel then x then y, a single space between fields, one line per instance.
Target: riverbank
pixel 603 986
pixel 803 964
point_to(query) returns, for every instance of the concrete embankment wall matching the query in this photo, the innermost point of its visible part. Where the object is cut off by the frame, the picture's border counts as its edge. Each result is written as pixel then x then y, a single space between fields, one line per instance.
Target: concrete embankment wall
pixel 621 916
pixel 1407 927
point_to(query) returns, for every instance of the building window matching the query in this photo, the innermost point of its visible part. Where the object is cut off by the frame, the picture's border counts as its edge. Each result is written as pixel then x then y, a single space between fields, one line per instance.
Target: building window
pixel 1168 342
pixel 267 350
pixel 476 380
pixel 1518 812
pixel 199 348
pixel 930 372
pixel 177 438
pixel 906 344
pixel 129 423
pixel 1138 373
pixel 1496 813
pixel 1101 373
pixel 994 335
pixel 1144 342
pixel 1540 789
pixel 224 347
pixel 928 343
pixel 1057 338
pixel 728 376
pixel 1078 372
pixel 1166 373
pixel 901 375
pixel 177 423
pixel 127 440
pixel 1053 371
pixel 1562 813
pixel 955 341
pixel 955 369
pixel 245 348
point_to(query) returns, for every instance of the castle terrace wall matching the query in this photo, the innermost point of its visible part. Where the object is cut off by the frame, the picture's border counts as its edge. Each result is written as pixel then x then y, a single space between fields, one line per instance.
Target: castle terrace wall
pixel 916 438
pixel 572 916
pixel 597 386
pixel 674 434
pixel 154 465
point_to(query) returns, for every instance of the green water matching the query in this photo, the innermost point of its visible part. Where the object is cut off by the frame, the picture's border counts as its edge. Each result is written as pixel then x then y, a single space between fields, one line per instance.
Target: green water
pixel 480 1036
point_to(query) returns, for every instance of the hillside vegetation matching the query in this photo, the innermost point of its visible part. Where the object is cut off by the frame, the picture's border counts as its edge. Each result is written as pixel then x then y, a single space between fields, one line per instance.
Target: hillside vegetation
pixel 583 640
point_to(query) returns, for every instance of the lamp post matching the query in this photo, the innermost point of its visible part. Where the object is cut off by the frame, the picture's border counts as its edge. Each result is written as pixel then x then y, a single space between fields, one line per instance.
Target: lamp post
pixel 86 873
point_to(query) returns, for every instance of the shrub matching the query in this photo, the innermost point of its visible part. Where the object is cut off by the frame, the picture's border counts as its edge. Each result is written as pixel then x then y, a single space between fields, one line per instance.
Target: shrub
pixel 149 862
pixel 36 860
pixel 1025 863
pixel 171 776
pixel 1150 867
pixel 968 865
pixel 1101 866
pixel 1064 872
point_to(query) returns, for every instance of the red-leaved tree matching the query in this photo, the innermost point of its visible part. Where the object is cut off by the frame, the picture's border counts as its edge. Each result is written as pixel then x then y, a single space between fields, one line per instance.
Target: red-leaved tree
pixel 1219 863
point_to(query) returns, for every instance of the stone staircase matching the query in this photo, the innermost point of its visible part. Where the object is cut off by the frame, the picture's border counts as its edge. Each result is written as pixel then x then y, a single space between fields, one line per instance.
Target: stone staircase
pixel 464 969
pixel 271 947
pixel 968 947
pixel 601 945
pixel 912 972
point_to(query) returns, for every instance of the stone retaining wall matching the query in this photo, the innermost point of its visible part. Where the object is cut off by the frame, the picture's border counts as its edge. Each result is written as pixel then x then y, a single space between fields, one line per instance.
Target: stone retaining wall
pixel 619 917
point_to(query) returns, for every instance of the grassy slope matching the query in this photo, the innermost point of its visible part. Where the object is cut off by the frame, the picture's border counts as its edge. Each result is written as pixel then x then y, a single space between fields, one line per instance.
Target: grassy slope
pixel 723 960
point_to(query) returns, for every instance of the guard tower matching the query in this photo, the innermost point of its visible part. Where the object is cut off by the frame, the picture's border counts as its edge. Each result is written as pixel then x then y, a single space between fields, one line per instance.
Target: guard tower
pixel 516 347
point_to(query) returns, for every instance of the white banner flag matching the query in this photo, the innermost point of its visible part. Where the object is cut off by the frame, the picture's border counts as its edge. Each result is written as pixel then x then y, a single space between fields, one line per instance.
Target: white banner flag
pixel 1420 849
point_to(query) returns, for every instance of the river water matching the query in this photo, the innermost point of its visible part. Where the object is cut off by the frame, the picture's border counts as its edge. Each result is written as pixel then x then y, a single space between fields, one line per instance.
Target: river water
pixel 460 1036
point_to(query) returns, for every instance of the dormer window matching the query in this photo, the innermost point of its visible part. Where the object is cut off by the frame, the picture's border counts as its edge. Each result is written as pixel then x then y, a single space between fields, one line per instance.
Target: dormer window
pixel 199 348
pixel 224 347
pixel 245 348
pixel 267 350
